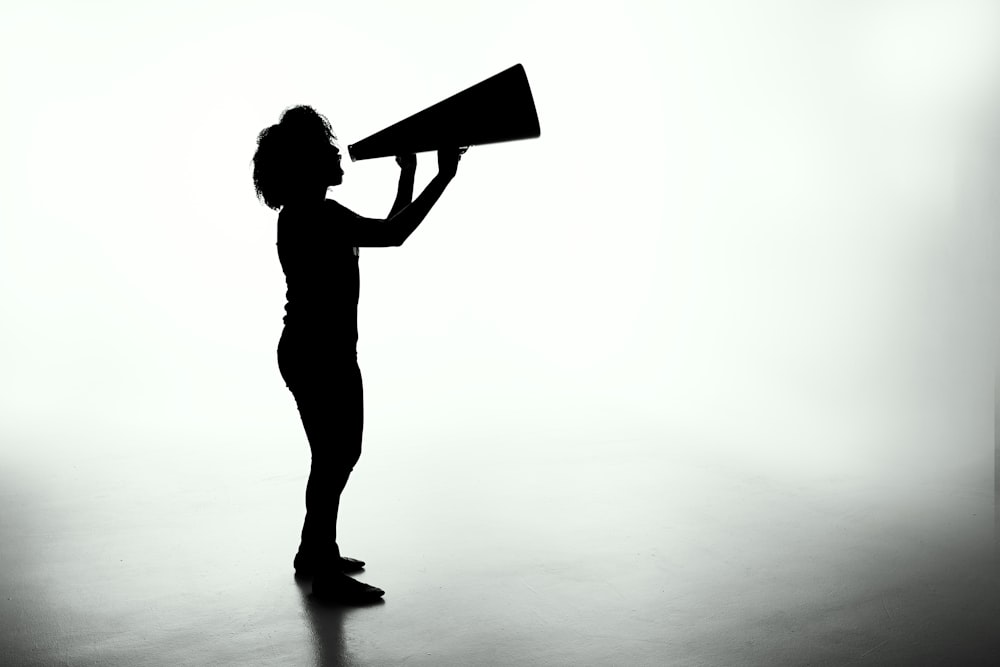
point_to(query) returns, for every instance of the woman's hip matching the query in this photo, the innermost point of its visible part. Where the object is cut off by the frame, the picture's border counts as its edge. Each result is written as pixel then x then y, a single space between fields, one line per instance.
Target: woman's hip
pixel 307 363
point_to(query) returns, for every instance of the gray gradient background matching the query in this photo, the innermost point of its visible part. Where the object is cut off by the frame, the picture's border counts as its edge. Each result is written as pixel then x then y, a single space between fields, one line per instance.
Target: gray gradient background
pixel 763 231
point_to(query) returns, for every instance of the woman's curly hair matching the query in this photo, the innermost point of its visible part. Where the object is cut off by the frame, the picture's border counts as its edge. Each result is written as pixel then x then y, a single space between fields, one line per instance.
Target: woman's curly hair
pixel 289 154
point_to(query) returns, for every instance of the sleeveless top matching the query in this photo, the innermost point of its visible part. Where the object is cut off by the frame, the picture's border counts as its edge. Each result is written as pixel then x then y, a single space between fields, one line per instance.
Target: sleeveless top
pixel 321 275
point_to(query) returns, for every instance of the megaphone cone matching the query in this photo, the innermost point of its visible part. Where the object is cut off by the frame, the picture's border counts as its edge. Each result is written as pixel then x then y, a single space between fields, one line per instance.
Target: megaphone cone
pixel 497 109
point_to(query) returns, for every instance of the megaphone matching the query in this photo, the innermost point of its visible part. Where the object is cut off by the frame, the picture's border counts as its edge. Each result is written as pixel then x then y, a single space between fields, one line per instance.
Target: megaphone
pixel 494 110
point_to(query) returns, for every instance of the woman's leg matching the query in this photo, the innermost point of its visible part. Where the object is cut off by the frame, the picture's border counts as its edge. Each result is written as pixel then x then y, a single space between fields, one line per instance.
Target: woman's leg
pixel 331 406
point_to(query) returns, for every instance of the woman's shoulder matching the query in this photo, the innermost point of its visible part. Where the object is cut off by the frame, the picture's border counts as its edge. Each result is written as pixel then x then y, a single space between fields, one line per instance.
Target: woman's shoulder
pixel 334 208
pixel 313 222
pixel 326 209
pixel 298 210
pixel 294 220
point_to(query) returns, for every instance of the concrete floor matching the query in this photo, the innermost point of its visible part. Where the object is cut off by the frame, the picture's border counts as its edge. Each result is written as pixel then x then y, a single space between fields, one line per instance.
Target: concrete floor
pixel 659 551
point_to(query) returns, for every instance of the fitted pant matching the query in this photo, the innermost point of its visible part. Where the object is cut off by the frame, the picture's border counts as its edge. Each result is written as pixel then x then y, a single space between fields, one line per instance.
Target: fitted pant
pixel 326 385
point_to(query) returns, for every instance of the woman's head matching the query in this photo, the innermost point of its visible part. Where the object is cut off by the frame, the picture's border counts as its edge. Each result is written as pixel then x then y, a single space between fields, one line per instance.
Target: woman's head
pixel 296 158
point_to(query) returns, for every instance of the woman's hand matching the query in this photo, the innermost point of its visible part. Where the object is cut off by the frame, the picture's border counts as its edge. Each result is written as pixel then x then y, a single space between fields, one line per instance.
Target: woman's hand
pixel 448 161
pixel 407 162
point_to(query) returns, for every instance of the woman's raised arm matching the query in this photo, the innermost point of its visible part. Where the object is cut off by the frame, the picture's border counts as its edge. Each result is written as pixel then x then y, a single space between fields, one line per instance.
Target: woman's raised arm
pixel 404 191
pixel 393 231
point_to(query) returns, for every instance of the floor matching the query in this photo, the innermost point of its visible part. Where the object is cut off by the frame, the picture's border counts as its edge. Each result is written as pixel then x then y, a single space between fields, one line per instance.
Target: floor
pixel 664 550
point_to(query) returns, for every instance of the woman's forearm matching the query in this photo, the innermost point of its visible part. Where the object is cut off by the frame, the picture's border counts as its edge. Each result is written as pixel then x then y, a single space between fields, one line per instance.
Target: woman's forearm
pixel 404 192
pixel 409 217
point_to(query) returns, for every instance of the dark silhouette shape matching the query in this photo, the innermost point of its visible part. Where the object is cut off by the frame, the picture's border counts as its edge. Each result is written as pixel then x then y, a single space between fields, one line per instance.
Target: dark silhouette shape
pixel 498 109
pixel 318 241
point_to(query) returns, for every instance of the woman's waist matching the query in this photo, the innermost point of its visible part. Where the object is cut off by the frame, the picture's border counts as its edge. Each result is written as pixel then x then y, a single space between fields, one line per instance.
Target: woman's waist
pixel 320 333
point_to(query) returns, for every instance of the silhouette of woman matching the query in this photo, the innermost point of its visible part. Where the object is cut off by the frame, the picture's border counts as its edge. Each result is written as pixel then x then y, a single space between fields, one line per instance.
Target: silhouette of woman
pixel 296 161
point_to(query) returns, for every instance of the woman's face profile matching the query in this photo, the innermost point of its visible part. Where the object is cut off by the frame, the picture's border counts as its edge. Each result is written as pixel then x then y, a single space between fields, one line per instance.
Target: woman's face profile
pixel 336 172
pixel 322 164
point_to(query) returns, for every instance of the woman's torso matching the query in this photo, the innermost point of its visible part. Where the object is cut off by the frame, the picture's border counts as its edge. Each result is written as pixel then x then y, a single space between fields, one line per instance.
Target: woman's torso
pixel 321 277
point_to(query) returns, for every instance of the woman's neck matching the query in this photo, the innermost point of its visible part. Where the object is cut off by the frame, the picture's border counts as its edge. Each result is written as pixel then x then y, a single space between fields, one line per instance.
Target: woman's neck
pixel 305 198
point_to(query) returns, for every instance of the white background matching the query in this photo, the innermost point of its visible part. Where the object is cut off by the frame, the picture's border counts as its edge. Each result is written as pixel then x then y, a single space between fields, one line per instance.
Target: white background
pixel 762 226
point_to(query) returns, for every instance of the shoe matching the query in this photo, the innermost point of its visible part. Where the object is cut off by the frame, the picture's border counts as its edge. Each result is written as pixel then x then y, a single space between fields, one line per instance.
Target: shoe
pixel 351 564
pixel 306 565
pixel 339 588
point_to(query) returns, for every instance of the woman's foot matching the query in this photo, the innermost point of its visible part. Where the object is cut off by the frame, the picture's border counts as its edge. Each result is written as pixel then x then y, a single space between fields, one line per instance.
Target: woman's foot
pixel 306 564
pixel 338 587
pixel 351 564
